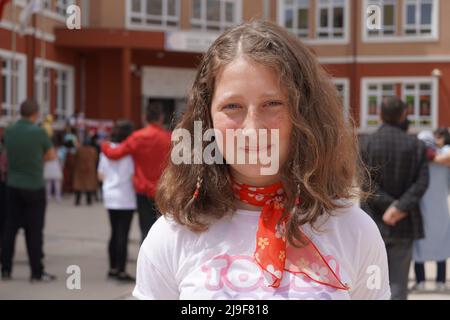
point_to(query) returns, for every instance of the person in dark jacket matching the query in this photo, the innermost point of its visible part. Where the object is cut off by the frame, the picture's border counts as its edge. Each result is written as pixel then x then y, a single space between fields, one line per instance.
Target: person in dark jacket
pixel 399 177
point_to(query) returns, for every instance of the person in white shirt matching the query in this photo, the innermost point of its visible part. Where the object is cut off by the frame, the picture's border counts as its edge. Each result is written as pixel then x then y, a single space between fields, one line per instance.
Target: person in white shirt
pixel 119 198
pixel 283 229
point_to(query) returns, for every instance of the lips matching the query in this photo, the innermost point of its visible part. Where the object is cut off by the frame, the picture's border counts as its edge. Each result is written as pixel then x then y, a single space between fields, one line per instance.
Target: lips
pixel 257 149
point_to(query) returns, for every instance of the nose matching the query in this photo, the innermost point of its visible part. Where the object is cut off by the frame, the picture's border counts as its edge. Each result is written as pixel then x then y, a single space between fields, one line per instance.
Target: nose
pixel 253 121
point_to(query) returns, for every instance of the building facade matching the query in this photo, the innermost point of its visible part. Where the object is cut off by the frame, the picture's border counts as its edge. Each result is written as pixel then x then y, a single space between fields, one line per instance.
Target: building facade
pixel 128 52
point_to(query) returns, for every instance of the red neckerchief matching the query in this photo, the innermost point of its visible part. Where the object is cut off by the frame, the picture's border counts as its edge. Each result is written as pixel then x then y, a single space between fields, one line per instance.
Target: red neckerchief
pixel 272 252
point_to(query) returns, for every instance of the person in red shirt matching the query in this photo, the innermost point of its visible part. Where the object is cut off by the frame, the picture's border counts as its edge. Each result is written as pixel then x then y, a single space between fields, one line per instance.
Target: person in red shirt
pixel 149 148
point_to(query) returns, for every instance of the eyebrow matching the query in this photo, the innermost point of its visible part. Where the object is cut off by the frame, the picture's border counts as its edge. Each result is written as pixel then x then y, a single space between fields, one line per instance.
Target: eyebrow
pixel 230 96
pixel 272 94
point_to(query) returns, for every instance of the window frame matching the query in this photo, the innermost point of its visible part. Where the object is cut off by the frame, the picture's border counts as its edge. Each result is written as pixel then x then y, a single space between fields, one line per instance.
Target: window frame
pixel 164 17
pixel 44 104
pixel 417 93
pixel 222 24
pixel 403 81
pixel 21 88
pixel 70 86
pixel 282 7
pixel 52 11
pixel 418 25
pixel 402 37
pixel 62 5
pixel 62 108
pixel 382 5
pixel 345 83
pixel 345 29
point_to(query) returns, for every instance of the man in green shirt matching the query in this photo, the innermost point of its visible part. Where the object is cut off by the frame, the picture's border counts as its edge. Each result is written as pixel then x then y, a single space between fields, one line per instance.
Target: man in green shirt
pixel 28 147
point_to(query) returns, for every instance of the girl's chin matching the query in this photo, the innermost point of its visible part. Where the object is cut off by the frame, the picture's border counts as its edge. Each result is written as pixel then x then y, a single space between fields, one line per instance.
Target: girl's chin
pixel 252 173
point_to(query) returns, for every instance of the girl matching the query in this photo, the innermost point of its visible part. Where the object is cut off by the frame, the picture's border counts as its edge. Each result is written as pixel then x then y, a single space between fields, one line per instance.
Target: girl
pixel 231 232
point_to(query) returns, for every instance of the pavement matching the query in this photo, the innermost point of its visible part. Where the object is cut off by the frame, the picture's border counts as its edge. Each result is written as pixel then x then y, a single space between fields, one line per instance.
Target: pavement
pixel 74 236
pixel 78 236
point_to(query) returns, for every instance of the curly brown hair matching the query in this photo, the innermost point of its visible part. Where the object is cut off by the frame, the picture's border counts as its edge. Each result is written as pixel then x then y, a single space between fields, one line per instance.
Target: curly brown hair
pixel 323 164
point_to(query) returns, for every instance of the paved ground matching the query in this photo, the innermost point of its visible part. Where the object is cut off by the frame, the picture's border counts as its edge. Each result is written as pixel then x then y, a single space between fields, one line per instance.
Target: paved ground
pixel 78 236
pixel 74 236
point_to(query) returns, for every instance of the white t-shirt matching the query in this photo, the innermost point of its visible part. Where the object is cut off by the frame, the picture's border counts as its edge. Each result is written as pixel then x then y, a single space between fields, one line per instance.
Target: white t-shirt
pixel 176 263
pixel 118 189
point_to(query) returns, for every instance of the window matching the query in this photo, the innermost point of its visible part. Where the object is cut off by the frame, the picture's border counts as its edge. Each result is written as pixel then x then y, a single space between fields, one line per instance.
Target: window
pixel 47 4
pixel 54 9
pixel 375 94
pixel 388 17
pixel 418 17
pixel 13 79
pixel 215 15
pixel 42 89
pixel 343 87
pixel 9 76
pixel 418 98
pixel 420 95
pixel 60 7
pixel 62 98
pixel 295 16
pixel 153 13
pixel 331 19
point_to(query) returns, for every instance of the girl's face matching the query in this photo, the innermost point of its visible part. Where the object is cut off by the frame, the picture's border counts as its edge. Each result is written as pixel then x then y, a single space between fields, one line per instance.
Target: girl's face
pixel 249 96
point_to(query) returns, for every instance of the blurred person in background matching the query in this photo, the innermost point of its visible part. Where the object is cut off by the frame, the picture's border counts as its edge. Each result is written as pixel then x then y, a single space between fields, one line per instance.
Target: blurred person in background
pixel 28 147
pixel 435 213
pixel 149 148
pixel 67 156
pixel 443 157
pixel 442 138
pixel 47 125
pixel 398 180
pixel 119 198
pixel 95 143
pixel 85 172
pixel 3 172
pixel 52 169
